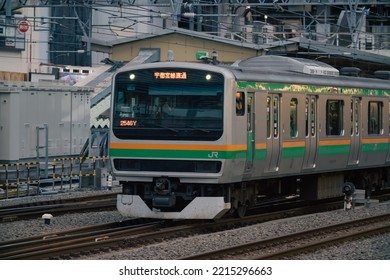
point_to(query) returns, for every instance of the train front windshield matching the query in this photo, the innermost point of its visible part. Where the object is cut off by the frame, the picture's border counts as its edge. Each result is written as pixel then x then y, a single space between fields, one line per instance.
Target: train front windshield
pixel 168 104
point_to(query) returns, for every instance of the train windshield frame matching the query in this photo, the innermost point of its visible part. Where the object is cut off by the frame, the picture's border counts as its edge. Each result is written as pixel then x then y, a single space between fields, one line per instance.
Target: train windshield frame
pixel 168 104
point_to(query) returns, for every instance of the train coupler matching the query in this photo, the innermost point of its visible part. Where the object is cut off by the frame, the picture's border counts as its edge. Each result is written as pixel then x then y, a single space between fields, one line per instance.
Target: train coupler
pixel 164 201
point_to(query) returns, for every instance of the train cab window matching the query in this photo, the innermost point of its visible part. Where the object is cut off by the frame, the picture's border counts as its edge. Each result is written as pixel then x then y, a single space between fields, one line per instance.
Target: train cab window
pixel 375 117
pixel 334 117
pixel 293 117
pixel 240 106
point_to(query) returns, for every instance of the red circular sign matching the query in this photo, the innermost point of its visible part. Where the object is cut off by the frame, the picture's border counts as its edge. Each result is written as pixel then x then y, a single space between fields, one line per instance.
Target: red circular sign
pixel 23 26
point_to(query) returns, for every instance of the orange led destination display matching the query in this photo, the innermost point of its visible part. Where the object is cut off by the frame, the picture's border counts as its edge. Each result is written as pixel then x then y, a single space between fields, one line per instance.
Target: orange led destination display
pixel 128 123
pixel 170 75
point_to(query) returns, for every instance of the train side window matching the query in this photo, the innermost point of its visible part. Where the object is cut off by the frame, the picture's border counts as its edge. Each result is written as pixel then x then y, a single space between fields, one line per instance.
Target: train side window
pixel 294 117
pixel 313 116
pixel 334 117
pixel 249 110
pixel 352 114
pixel 276 116
pixel 307 117
pixel 375 117
pixel 310 113
pixel 240 103
pixel 268 117
pixel 355 117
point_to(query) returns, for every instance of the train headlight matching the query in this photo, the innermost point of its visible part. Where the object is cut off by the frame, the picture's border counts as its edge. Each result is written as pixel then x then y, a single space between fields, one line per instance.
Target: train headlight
pixel 208 77
pixel 132 76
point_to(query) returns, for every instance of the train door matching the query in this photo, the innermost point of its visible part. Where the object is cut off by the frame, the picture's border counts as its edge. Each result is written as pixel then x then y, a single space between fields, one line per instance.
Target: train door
pixel 273 133
pixel 250 131
pixel 310 132
pixel 353 158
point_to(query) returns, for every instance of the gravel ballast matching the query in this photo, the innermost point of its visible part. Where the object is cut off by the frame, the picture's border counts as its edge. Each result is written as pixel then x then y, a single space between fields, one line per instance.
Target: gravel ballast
pixel 374 248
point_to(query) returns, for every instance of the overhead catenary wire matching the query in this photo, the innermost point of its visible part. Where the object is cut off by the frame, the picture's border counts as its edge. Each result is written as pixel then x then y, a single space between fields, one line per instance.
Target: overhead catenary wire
pixel 127 10
pixel 147 14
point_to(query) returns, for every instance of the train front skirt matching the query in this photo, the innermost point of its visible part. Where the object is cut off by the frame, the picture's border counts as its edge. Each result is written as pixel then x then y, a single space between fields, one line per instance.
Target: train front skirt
pixel 199 208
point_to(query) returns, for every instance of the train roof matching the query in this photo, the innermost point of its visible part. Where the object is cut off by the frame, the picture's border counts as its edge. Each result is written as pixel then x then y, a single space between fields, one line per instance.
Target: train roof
pixel 288 64
pixel 281 69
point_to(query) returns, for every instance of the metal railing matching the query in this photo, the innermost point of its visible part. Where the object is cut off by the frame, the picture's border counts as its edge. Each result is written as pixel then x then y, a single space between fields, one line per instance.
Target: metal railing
pixel 14 175
pixel 28 178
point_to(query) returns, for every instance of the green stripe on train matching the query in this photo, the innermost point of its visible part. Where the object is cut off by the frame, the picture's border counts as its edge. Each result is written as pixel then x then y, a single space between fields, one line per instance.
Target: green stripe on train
pixel 139 153
pixel 293 152
pixel 375 147
pixel 345 149
pixel 334 150
pixel 260 154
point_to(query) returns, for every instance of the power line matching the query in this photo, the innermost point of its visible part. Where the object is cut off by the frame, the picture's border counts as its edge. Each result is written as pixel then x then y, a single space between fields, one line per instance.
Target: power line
pixel 124 18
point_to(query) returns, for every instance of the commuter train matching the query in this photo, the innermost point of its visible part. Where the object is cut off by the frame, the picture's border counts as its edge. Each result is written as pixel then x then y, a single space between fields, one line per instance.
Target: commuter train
pixel 196 141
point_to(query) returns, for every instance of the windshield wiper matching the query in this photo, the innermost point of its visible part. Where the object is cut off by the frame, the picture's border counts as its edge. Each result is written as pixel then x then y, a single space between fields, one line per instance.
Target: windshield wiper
pixel 198 129
pixel 161 126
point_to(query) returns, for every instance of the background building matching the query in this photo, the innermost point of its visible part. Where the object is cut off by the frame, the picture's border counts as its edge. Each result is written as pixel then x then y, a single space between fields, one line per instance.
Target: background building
pixel 82 43
pixel 83 33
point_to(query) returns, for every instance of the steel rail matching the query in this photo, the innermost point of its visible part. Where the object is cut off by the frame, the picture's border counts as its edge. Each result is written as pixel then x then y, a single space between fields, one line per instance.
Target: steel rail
pixel 252 249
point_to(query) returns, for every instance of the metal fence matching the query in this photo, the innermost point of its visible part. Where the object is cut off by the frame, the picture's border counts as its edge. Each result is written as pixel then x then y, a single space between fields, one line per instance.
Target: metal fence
pixel 28 178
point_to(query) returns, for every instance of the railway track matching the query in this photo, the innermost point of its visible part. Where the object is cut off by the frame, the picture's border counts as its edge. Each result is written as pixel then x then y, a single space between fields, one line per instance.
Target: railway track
pixel 287 246
pixel 57 206
pixel 132 233
pixel 58 243
pixel 65 245
pixel 128 234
